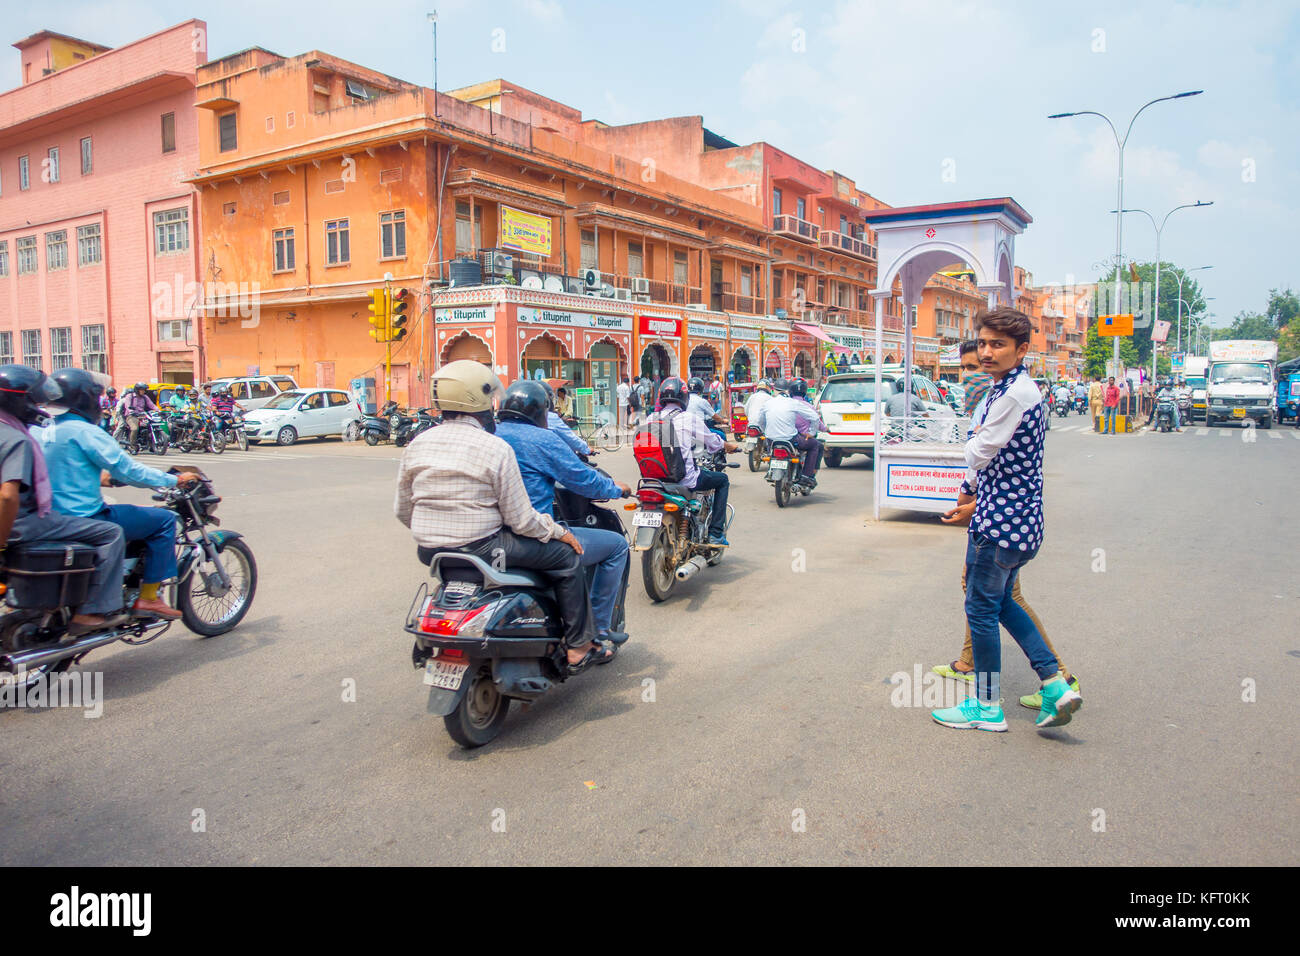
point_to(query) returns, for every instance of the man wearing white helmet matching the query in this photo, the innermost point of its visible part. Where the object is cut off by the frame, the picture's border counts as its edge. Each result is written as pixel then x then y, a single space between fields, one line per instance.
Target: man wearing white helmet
pixel 459 489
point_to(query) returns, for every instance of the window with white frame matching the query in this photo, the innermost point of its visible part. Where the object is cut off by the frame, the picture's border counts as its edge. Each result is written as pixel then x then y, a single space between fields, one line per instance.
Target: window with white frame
pixel 61 348
pixel 171 231
pixel 337 246
pixel 52 165
pixel 4 257
pixel 26 247
pixel 174 330
pixel 94 355
pixel 87 157
pixel 6 348
pixel 56 250
pixel 282 240
pixel 32 348
pixel 392 234
pixel 468 235
pixel 24 173
pixel 90 245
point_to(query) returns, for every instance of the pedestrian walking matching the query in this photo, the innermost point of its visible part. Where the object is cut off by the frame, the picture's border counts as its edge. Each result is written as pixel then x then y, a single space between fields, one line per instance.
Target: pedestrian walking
pixel 1005 485
pixel 634 402
pixel 1096 393
pixel 624 389
pixel 1109 406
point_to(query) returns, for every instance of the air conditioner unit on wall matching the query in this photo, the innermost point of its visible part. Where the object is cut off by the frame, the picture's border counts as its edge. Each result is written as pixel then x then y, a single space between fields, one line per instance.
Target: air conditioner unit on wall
pixel 643 298
pixel 697 307
pixel 623 295
pixel 592 278
pixel 641 286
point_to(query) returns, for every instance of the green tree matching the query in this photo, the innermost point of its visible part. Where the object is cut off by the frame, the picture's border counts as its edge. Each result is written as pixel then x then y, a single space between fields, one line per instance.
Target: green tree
pixel 1288 342
pixel 1250 325
pixel 1282 308
pixel 1141 303
pixel 1100 349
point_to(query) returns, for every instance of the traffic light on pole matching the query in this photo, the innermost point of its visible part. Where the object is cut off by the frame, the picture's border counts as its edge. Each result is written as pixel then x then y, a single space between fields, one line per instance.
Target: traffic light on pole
pixel 379 315
pixel 397 319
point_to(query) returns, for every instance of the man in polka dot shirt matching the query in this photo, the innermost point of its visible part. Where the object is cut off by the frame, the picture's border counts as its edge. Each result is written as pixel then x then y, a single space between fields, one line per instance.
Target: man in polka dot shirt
pixel 1003 492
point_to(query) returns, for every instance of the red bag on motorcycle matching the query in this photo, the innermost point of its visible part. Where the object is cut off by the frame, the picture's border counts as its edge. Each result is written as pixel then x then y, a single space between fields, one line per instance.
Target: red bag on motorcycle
pixel 657 451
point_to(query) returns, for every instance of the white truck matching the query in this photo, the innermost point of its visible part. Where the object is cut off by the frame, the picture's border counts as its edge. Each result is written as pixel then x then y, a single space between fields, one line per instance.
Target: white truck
pixel 1194 375
pixel 1239 382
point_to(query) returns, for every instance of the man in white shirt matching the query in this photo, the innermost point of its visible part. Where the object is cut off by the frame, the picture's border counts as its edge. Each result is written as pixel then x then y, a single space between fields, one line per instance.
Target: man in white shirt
pixel 790 418
pixel 698 405
pixel 624 390
pixel 762 395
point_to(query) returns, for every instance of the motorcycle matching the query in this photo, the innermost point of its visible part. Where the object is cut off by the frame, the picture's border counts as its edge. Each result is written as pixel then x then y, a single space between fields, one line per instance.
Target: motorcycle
pixel 1081 404
pixel 408 428
pixel 1185 407
pixel 1062 407
pixel 231 427
pixel 152 434
pixel 671 530
pixel 755 446
pixel 486 637
pixel 215 584
pixel 381 427
pixel 783 465
pixel 1165 414
pixel 197 431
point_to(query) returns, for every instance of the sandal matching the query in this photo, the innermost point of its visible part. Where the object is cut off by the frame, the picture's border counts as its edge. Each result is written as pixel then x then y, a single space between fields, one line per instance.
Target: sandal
pixel 594 656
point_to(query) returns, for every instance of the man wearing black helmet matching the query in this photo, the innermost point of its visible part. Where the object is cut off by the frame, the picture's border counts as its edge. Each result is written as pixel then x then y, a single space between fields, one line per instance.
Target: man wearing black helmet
pixel 790 418
pixel 697 404
pixel 136 408
pixel 544 459
pixel 26 499
pixel 79 454
pixel 694 435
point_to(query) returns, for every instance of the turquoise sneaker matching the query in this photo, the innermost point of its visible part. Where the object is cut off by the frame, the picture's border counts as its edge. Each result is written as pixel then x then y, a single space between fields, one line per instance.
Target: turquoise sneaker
pixel 1059 703
pixel 1034 701
pixel 970 715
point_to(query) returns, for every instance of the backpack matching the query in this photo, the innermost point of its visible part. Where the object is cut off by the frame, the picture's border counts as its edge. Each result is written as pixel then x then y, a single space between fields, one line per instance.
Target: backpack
pixel 657 451
pixel 634 400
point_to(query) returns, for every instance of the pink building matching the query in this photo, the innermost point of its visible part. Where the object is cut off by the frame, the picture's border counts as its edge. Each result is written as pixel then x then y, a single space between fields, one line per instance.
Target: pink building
pixel 98 228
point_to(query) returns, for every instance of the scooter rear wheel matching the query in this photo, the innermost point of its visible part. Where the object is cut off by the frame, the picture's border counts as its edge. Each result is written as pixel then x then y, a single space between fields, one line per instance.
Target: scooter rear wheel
pixel 657 572
pixel 481 713
pixel 372 439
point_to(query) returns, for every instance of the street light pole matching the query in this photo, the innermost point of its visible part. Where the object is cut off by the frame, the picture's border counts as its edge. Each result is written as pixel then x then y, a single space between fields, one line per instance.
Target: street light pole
pixel 1181 276
pixel 1159 231
pixel 1119 186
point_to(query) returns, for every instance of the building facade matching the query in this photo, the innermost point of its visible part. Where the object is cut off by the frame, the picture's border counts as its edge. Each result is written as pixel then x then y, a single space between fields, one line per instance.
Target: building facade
pixel 98 228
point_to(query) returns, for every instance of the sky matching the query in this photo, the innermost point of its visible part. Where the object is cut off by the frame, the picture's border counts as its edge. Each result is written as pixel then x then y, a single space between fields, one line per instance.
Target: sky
pixel 917 102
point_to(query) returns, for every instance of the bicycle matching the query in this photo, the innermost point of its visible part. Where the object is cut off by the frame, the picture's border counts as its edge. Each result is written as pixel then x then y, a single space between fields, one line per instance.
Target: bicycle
pixel 599 431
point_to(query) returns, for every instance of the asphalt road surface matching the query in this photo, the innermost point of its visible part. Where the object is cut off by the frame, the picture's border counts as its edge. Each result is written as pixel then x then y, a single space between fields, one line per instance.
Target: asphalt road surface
pixel 749 719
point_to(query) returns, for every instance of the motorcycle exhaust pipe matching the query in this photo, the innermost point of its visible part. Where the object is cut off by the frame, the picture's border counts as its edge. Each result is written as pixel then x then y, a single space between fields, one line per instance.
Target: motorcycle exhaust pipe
pixel 691 568
pixel 38 657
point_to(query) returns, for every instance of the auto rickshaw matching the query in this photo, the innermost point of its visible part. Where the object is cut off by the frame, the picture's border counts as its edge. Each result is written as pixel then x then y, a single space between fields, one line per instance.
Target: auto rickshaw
pixel 737 394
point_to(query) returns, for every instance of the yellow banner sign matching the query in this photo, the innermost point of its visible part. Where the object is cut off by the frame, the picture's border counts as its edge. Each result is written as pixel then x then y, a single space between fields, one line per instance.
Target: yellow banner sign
pixel 525 232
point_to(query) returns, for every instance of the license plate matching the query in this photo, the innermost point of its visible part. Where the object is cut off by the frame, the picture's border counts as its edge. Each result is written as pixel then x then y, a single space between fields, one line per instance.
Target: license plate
pixel 855 418
pixel 647 519
pixel 778 465
pixel 751 444
pixel 1238 413
pixel 444 674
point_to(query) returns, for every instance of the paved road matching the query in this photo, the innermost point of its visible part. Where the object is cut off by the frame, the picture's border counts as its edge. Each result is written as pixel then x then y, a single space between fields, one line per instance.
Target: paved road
pixel 771 694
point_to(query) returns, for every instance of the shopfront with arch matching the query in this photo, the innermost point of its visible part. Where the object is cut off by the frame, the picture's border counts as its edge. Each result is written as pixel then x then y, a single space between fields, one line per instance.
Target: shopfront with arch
pixel 742 365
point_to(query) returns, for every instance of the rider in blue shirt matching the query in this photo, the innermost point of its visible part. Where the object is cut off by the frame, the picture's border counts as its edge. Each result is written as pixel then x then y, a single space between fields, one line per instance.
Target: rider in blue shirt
pixel 545 459
pixel 77 454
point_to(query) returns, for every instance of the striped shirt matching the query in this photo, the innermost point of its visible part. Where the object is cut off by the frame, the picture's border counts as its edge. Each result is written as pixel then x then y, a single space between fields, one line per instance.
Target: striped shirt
pixel 458 484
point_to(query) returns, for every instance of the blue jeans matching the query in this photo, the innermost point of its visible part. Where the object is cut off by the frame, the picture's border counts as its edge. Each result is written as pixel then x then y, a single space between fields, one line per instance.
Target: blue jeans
pixel 990 578
pixel 720 485
pixel 607 550
pixel 156 527
pixel 1108 419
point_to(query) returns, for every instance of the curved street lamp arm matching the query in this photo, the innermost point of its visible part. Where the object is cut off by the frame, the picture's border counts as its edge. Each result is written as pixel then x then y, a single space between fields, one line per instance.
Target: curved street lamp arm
pixel 1176 96
pixel 1189 205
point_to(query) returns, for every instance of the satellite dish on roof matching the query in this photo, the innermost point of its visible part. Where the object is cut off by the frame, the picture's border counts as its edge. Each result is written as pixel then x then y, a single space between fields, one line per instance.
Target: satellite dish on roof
pixel 532 282
pixel 553 284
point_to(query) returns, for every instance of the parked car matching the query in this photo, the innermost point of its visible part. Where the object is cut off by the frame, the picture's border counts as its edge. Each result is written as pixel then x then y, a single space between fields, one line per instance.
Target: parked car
pixel 848 406
pixel 255 391
pixel 302 413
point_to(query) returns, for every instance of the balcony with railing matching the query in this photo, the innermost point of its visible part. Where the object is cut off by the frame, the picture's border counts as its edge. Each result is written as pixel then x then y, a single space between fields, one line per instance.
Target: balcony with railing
pixel 794 227
pixel 731 301
pixel 831 239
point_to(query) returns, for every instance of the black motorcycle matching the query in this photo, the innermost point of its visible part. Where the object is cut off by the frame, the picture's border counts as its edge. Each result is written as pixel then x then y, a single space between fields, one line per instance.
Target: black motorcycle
pixel 409 427
pixel 1062 407
pixel 784 466
pixel 232 429
pixel 381 427
pixel 215 583
pixel 1165 414
pixel 485 637
pixel 152 435
pixel 755 446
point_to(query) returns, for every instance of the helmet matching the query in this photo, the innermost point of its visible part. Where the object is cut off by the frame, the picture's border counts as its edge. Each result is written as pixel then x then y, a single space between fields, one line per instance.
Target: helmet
pixel 193 393
pixel 696 385
pixel 139 386
pixel 81 391
pixel 464 386
pixel 797 388
pixel 111 392
pixel 23 390
pixel 673 392
pixel 525 401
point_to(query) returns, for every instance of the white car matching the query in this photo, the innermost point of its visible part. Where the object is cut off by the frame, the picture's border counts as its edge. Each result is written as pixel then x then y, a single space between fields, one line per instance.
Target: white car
pixel 848 406
pixel 255 391
pixel 302 413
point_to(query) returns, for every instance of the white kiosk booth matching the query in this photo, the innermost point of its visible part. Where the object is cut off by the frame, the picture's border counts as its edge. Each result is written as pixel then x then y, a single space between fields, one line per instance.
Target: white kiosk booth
pixel 920 461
